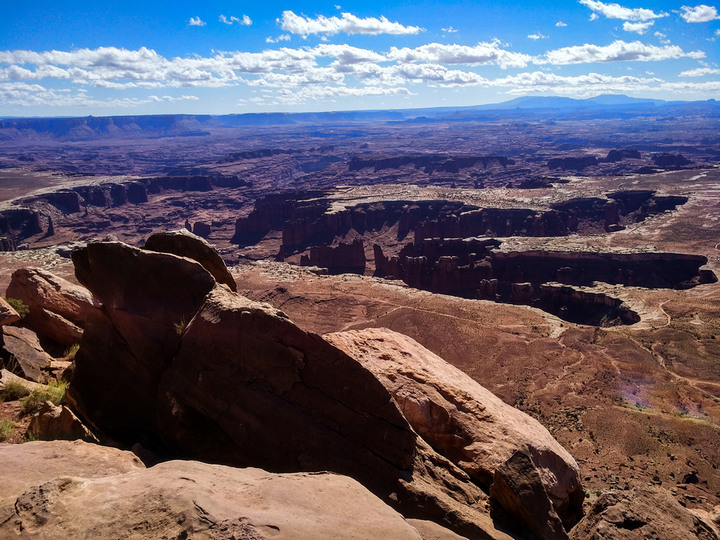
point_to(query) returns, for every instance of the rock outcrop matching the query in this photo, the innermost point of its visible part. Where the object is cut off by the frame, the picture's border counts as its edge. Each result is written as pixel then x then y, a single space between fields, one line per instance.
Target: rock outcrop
pixel 21 353
pixel 345 258
pixel 187 244
pixel 196 500
pixel 35 463
pixel 189 368
pixel 8 376
pixel 58 309
pixel 518 488
pixel 466 267
pixel 643 512
pixel 8 315
pixel 57 422
pixel 463 421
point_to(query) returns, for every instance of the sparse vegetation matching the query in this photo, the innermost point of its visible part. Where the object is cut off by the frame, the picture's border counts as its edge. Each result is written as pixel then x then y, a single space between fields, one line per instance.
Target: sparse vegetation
pixel 180 326
pixel 7 427
pixel 71 351
pixel 54 392
pixel 19 306
pixel 12 391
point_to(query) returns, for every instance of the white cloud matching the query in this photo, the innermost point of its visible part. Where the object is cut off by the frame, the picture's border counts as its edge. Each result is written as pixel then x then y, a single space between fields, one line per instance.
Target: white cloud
pixel 281 37
pixel 639 27
pixel 329 92
pixel 436 75
pixel 482 53
pixel 449 30
pixel 686 87
pixel 616 11
pixel 537 36
pixel 700 72
pixel 196 21
pixel 560 24
pixel 347 23
pixel 245 21
pixel 698 14
pixel 579 86
pixel 36 95
pixel 347 54
pixel 617 51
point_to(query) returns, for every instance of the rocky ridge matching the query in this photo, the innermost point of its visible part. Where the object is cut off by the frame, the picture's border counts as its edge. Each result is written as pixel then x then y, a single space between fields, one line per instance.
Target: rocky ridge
pixel 201 372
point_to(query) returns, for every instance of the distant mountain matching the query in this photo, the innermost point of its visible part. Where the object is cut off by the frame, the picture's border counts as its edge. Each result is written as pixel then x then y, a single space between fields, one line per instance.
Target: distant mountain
pixel 565 103
pixel 183 125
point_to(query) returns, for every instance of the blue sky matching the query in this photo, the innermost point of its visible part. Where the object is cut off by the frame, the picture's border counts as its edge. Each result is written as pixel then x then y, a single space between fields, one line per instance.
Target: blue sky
pixel 132 57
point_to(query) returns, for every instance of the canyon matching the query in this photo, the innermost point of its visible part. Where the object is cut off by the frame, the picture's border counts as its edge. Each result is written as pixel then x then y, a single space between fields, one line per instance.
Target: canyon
pixel 389 276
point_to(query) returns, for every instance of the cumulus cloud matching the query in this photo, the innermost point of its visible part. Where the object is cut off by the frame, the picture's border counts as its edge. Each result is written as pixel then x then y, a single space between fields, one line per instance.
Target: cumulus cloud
pixel 580 85
pixel 244 21
pixel 617 51
pixel 346 54
pixel 639 27
pixel 281 37
pixel 700 72
pixel 449 30
pixel 482 53
pixel 329 92
pixel 537 36
pixel 196 21
pixel 616 11
pixel 560 24
pixel 698 14
pixel 36 95
pixel 347 23
pixel 436 75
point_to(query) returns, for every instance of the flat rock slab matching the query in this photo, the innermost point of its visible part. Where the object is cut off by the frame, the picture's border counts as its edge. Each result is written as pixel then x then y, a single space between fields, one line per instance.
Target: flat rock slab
pixel 24 346
pixel 33 463
pixel 187 499
pixel 8 315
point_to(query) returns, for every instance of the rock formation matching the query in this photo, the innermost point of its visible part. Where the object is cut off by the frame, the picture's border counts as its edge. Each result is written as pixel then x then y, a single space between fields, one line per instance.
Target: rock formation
pixel 195 500
pixel 466 268
pixel 342 259
pixel 189 368
pixel 21 353
pixel 186 244
pixel 465 422
pixel 643 512
pixel 58 308
pixel 8 315
pixel 57 422
pixel 33 463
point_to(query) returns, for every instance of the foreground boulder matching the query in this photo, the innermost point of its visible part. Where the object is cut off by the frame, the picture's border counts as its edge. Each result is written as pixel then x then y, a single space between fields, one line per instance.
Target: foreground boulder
pixel 22 353
pixel 464 421
pixel 58 309
pixel 57 422
pixel 643 512
pixel 34 463
pixel 196 500
pixel 186 244
pixel 189 368
pixel 8 315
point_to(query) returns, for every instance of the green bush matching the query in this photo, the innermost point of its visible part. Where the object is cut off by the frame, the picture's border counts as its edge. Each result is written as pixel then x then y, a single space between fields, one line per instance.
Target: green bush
pixel 54 392
pixel 19 306
pixel 6 429
pixel 71 351
pixel 12 391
